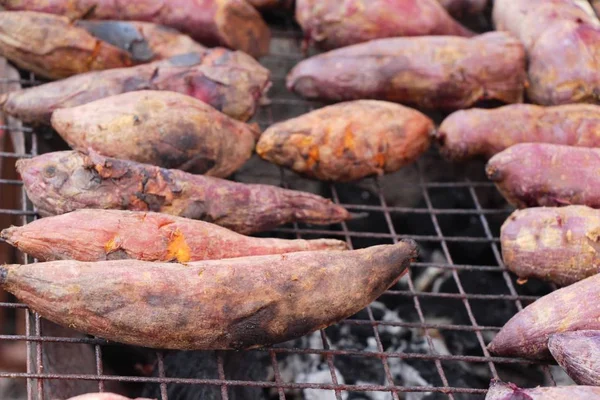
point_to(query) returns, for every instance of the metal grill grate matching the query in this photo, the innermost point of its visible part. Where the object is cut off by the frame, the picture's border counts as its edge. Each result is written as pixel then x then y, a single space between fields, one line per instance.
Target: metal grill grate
pixel 429 219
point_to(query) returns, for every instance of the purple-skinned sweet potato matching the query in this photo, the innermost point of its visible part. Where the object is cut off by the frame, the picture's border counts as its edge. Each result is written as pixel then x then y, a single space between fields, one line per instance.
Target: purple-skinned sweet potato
pixel 508 391
pixel 99 235
pixel 556 244
pixel 65 181
pixel 464 8
pixel 578 353
pixel 485 132
pixel 348 141
pixel 562 38
pixel 572 308
pixel 231 82
pixel 167 129
pixel 430 72
pixel 231 23
pixel 235 303
pixel 542 174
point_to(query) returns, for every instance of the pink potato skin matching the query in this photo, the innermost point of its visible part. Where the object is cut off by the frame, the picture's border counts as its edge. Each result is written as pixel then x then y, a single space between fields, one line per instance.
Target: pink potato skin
pixel 333 23
pixel 578 353
pixel 432 72
pixel 508 391
pixel 485 132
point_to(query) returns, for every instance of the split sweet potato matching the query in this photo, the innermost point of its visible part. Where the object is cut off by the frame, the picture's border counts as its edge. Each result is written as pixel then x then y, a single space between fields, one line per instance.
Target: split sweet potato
pixel 480 132
pixel 541 174
pixel 61 182
pixel 235 303
pixel 231 82
pixel 167 129
pixel 464 8
pixel 430 72
pixel 578 353
pixel 562 38
pixel 557 244
pixel 98 235
pixel 509 391
pixel 231 23
pixel 348 141
pixel 572 308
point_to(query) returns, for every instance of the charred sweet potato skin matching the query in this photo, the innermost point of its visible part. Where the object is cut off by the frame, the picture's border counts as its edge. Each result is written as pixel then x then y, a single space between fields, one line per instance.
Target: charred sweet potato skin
pixel 52 47
pixel 167 129
pixel 509 391
pixel 479 132
pixel 61 182
pixel 557 244
pixel 332 24
pixel 199 306
pixel 541 174
pixel 100 235
pixel 434 72
pixel 231 82
pixel 348 141
pixel 579 354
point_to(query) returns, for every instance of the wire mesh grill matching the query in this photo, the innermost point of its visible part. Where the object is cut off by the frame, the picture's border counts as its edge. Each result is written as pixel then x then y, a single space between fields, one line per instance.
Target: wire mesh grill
pixel 477 290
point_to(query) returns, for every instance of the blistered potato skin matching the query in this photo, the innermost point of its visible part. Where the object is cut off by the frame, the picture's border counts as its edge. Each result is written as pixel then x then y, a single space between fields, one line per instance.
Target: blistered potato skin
pixel 485 132
pixel 348 141
pixel 508 391
pixel 100 235
pixel 162 128
pixel 236 303
pixel 578 353
pixel 541 174
pixel 432 72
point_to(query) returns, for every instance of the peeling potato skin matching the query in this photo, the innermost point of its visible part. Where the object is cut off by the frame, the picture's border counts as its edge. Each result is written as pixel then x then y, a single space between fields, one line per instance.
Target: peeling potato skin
pixel 556 244
pixel 509 391
pixel 348 141
pixel 231 82
pixel 472 133
pixel 332 23
pixel 198 306
pixel 52 47
pixel 434 72
pixel 100 235
pixel 166 129
pixel 61 182
pixel 463 8
pixel 231 23
pixel 578 353
pixel 542 174
pixel 572 308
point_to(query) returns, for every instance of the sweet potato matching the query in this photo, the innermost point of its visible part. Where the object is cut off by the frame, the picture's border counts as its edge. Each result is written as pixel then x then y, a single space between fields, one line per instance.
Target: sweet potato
pixel 541 174
pixel 52 47
pixel 98 235
pixel 557 244
pixel 479 132
pixel 235 303
pixel 562 38
pixel 571 308
pixel 429 72
pixel 579 354
pixel 167 129
pixel 65 181
pixel 231 82
pixel 348 141
pixel 509 391
pixel 231 23
pixel 464 8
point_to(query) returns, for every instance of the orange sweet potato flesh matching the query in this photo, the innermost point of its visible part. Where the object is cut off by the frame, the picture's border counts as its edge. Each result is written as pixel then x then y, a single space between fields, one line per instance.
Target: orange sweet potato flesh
pixel 167 129
pixel 348 141
pixel 235 303
pixel 99 235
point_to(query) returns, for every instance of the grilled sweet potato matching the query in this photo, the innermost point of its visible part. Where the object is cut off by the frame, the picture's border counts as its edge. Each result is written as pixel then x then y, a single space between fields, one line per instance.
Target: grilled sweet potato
pixel 571 308
pixel 98 235
pixel 167 129
pixel 464 8
pixel 429 72
pixel 231 82
pixel 540 174
pixel 220 304
pixel 348 141
pixel 231 23
pixel 562 38
pixel 479 132
pixel 332 23
pixel 509 391
pixel 579 354
pixel 61 182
